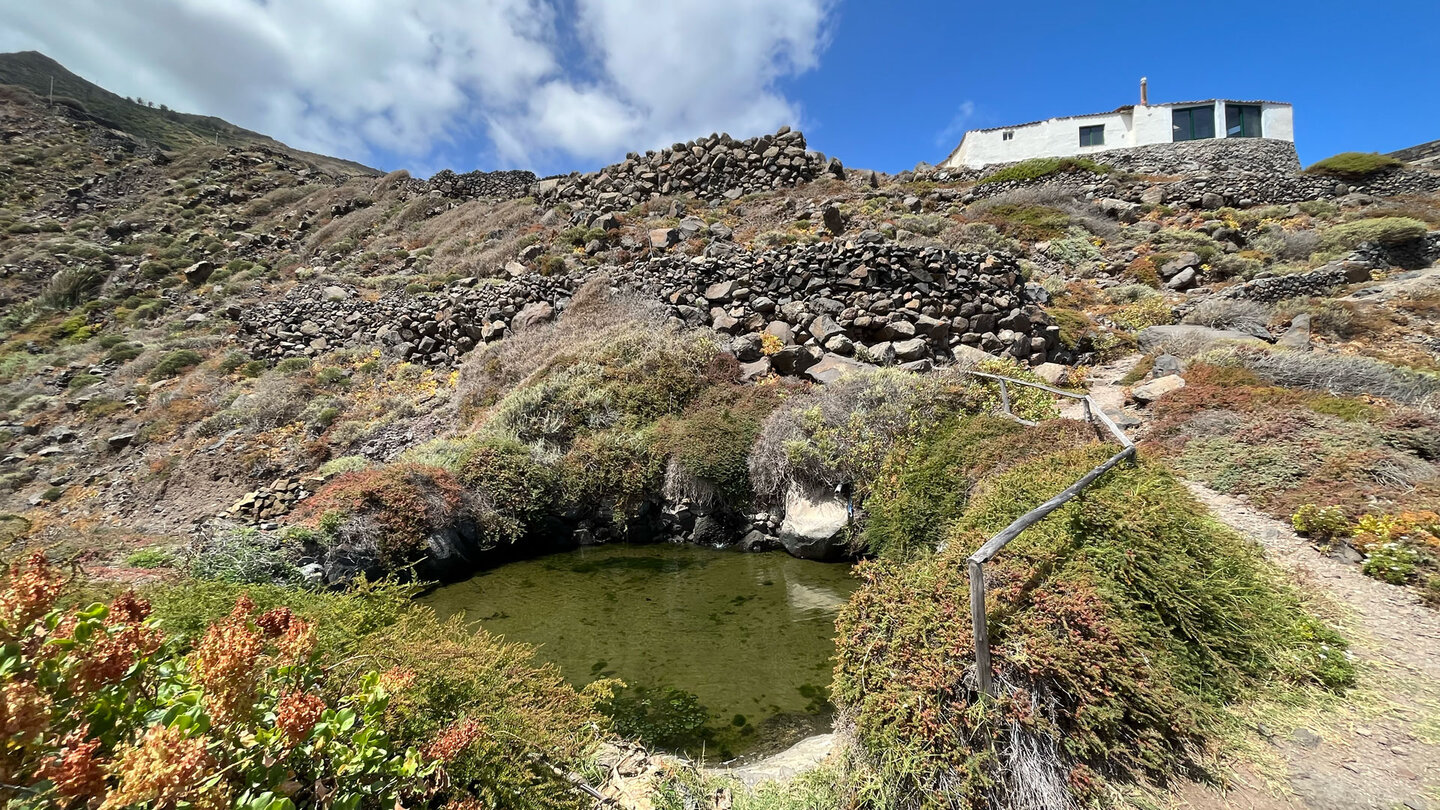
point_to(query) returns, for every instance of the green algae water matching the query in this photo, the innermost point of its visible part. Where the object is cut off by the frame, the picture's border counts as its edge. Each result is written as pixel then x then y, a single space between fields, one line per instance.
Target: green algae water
pixel 722 651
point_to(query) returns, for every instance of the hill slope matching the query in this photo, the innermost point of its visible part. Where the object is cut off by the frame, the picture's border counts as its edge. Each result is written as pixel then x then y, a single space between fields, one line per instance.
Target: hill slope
pixel 164 128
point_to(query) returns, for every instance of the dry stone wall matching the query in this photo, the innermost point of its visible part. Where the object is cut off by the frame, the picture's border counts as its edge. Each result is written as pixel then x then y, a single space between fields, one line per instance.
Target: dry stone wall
pixel 503 185
pixel 863 300
pixel 1209 174
pixel 717 167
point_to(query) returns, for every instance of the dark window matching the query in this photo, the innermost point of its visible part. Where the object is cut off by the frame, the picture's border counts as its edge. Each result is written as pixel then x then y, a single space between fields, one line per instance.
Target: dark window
pixel 1193 123
pixel 1092 136
pixel 1005 136
pixel 1242 121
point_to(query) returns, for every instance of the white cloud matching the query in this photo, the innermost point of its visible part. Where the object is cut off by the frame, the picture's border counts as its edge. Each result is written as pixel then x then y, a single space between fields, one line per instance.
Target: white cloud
pixel 957 126
pixel 511 81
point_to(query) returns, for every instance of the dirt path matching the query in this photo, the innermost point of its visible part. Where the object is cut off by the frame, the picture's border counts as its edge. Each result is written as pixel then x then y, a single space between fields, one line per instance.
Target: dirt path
pixel 1383 749
pixel 1379 749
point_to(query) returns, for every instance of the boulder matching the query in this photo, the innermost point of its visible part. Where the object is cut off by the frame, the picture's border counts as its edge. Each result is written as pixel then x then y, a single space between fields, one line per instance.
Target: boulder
pixel 1298 335
pixel 664 237
pixel 1167 364
pixel 1051 373
pixel 533 314
pixel 1187 339
pixel 1183 280
pixel 1182 261
pixel 199 272
pixel 794 359
pixel 823 328
pixel 815 523
pixel 1153 390
pixel 832 367
pixel 749 372
pixel 913 349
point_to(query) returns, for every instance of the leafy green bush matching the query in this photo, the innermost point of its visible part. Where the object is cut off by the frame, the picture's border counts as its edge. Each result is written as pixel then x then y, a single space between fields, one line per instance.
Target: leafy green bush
pixel 1381 230
pixel 1395 563
pixel 1353 165
pixel 1323 523
pixel 174 363
pixel 111 713
pixel 512 489
pixel 1036 168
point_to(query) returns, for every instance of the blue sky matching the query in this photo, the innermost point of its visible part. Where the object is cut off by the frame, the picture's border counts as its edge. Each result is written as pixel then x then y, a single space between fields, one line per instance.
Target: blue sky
pixel 897 79
pixel 560 85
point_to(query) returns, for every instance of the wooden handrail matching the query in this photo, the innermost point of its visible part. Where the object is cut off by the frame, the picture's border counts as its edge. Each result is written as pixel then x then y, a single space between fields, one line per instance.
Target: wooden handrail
pixel 993 546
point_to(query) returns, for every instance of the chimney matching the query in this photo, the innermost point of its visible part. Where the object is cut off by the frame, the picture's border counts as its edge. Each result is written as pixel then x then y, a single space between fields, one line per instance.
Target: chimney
pixel 1144 92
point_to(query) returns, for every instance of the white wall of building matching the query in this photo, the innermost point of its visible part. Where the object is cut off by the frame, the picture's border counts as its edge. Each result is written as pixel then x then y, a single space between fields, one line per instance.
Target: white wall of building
pixel 1139 126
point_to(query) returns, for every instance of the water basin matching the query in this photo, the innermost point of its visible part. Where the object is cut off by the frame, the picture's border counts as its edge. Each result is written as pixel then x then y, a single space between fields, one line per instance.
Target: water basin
pixel 747 638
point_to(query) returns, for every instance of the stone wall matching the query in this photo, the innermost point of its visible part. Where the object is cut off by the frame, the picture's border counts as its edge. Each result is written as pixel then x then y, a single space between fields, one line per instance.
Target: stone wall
pixel 1212 156
pixel 717 167
pixel 864 299
pixel 504 185
pixel 1239 171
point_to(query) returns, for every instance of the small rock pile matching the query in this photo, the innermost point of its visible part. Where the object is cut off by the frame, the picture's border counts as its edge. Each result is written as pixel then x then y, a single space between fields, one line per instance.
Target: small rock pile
pixel 268 503
pixel 713 168
pixel 504 185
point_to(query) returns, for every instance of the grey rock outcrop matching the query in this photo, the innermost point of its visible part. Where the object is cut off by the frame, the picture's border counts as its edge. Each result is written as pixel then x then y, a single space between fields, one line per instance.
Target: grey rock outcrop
pixel 815 523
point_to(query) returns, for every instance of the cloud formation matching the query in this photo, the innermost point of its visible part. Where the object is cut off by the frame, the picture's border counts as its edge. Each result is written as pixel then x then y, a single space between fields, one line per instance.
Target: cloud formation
pixel 541 83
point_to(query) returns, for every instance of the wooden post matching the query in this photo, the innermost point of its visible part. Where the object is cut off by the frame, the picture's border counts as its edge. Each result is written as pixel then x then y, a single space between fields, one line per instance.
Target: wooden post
pixel 977 624
pixel 1004 397
pixel 1085 406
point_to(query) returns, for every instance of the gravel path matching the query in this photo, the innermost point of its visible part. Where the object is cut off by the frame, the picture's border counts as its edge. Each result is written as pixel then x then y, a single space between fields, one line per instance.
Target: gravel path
pixel 1381 756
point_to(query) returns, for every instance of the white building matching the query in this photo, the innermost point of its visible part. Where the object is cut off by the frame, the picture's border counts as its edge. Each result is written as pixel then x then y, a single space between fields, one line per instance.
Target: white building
pixel 1135 125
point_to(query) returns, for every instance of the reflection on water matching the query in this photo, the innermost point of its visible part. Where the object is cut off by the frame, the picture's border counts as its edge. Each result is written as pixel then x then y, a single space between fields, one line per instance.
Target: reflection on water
pixel 750 636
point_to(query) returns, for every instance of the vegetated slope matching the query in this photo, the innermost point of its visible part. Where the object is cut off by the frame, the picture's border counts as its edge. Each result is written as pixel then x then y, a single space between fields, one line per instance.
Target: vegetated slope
pixel 161 127
pixel 145 434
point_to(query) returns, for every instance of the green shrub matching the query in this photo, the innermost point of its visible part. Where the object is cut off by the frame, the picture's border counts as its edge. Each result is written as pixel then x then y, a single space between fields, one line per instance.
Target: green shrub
pixel 344 464
pixel 1395 563
pixel 243 555
pixel 233 360
pixel 1037 168
pixel 149 558
pixel 333 376
pixel 293 365
pixel 514 491
pixel 922 490
pixel 174 363
pixel 1381 230
pixel 1120 627
pixel 83 380
pixel 1029 222
pixel 1353 165
pixel 709 445
pixel 1323 523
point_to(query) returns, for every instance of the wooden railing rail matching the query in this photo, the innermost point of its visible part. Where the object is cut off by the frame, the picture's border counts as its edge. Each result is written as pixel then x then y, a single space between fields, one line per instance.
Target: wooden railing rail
pixel 986 552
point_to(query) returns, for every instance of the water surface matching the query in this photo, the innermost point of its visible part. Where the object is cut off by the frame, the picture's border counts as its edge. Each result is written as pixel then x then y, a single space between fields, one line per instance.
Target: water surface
pixel 750 636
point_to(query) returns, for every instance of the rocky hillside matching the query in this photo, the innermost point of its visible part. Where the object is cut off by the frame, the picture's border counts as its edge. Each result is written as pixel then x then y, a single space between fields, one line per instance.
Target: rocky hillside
pixel 233 363
pixel 208 330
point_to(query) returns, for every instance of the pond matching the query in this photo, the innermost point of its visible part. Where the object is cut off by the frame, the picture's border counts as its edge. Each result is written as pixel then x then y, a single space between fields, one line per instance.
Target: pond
pixel 722 652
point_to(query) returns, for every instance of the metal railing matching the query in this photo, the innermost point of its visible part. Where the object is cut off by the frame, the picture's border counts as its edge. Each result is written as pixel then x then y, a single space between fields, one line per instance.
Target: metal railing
pixel 993 546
